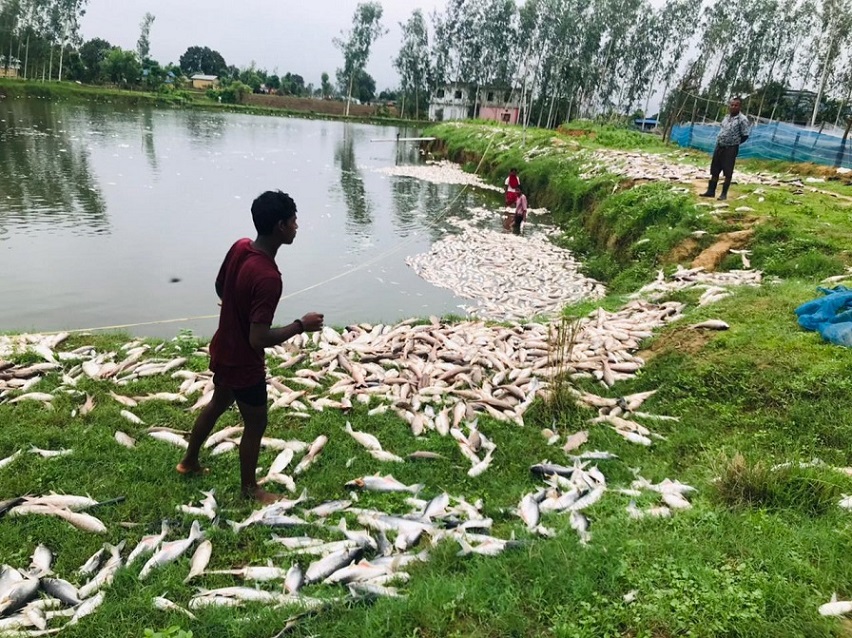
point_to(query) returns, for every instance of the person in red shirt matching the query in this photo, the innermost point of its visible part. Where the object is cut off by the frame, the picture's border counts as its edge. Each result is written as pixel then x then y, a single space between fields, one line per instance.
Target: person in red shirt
pixel 249 285
pixel 513 185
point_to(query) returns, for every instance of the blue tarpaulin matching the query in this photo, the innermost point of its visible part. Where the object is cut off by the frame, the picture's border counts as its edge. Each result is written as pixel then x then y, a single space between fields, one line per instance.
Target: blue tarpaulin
pixel 830 315
pixel 777 141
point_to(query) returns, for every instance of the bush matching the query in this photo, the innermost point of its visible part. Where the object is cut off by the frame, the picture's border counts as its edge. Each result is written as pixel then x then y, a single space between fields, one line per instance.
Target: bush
pixel 742 484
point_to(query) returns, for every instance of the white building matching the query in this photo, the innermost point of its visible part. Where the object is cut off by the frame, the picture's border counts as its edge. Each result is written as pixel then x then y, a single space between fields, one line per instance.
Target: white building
pixel 452 102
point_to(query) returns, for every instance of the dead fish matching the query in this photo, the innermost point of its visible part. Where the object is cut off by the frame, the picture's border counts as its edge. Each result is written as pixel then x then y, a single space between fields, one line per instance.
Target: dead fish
pixel 311 455
pixel 426 455
pixel 200 559
pixel 41 560
pixel 383 484
pixel 293 579
pixel 148 543
pixel 170 552
pixel 9 459
pixel 363 438
pixel 835 607
pixel 88 406
pixel 50 454
pixel 125 439
pixel 575 440
pixel 87 607
pixel 62 590
pixel 132 417
pixel 170 437
pixel 710 324
pixel 164 604
pixel 324 567
pixel 254 572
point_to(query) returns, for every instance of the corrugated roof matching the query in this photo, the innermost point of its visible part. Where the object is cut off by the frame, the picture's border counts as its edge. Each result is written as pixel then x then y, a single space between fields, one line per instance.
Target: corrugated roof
pixel 209 78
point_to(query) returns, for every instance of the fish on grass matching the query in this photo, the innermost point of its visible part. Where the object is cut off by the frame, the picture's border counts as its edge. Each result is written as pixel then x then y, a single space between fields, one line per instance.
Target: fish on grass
pixel 164 604
pixel 148 543
pixel 170 552
pixel 835 607
pixel 710 324
pixel 383 484
pixel 200 560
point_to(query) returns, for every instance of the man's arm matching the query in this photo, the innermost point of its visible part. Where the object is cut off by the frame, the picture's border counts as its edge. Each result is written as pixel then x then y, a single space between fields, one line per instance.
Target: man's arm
pixel 264 336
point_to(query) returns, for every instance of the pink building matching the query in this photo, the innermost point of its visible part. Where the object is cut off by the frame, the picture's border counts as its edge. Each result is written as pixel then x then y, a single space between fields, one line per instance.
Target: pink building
pixel 500 104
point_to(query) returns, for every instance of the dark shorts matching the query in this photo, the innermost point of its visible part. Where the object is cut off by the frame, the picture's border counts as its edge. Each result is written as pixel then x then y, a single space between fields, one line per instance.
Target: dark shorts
pixel 518 220
pixel 254 395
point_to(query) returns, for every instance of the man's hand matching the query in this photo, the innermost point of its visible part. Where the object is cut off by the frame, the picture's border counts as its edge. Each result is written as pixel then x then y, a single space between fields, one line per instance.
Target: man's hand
pixel 312 321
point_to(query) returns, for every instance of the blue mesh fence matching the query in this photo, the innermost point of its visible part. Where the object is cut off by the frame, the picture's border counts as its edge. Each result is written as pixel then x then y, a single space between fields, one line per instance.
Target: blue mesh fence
pixel 775 140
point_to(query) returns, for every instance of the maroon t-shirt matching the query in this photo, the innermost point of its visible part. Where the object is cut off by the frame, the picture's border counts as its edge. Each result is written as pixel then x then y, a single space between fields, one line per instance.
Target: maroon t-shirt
pixel 251 288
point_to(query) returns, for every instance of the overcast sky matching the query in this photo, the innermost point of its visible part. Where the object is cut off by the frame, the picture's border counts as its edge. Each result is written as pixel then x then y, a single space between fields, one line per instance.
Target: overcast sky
pixel 282 35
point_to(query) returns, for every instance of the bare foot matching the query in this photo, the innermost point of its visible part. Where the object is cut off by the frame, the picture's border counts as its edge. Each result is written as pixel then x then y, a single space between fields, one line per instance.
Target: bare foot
pixel 191 469
pixel 261 495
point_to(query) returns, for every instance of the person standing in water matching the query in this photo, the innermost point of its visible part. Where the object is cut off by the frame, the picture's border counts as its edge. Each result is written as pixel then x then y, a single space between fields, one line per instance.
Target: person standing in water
pixel 249 285
pixel 513 185
pixel 520 212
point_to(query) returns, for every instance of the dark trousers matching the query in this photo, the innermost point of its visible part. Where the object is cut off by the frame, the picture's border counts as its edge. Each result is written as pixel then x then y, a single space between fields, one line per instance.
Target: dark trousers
pixel 724 158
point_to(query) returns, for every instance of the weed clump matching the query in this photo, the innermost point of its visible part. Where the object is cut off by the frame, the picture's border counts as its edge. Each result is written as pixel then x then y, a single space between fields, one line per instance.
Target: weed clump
pixel 755 485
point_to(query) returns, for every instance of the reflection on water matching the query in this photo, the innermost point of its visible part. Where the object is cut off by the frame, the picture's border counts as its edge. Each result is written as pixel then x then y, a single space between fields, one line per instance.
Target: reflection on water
pixel 46 175
pixel 148 139
pixel 352 183
pixel 134 209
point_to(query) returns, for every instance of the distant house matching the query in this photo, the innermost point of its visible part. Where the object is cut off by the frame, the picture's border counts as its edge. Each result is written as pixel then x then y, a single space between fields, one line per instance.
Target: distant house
pixel 10 69
pixel 460 101
pixel 646 123
pixel 204 82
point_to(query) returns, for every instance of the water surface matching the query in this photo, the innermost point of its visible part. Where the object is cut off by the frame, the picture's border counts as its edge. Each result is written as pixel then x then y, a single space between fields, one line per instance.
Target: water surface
pixel 103 207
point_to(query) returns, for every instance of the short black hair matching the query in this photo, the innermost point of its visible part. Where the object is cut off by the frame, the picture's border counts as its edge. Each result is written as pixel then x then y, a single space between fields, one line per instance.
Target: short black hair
pixel 513 170
pixel 270 208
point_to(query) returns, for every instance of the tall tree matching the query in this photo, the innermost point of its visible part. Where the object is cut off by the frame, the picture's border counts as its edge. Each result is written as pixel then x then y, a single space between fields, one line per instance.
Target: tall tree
pixel 355 46
pixel 143 45
pixel 325 85
pixel 198 59
pixel 412 63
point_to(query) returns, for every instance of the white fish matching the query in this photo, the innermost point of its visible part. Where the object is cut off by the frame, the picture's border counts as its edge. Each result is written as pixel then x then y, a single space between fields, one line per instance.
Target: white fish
pixel 200 559
pixel 132 417
pixel 835 607
pixel 575 440
pixel 383 484
pixel 170 552
pixel 148 543
pixel 87 607
pixel 50 454
pixel 364 438
pixel 124 439
pixel 311 455
pixel 385 456
pixel 170 437
pixel 293 579
pixel 9 459
pixel 164 604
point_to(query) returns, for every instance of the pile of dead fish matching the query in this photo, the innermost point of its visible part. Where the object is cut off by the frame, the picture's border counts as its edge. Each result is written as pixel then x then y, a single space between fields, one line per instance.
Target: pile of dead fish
pixel 640 165
pixel 443 172
pixel 509 276
pixel 714 284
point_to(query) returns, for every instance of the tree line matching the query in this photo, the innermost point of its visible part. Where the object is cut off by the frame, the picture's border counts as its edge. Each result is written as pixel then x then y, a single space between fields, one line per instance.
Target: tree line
pixel 790 59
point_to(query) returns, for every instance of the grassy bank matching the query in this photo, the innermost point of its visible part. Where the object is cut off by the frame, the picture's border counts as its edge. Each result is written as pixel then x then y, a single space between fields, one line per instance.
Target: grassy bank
pixel 68 91
pixel 626 230
pixel 757 554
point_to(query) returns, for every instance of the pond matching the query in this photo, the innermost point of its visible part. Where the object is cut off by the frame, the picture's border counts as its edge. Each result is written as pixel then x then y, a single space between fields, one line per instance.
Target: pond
pixel 113 215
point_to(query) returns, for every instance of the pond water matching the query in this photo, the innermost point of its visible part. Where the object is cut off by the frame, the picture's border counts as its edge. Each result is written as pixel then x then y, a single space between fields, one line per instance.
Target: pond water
pixel 111 215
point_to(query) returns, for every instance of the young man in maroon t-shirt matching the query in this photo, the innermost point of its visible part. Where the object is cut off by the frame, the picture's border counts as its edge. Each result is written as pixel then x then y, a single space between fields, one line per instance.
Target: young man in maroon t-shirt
pixel 249 285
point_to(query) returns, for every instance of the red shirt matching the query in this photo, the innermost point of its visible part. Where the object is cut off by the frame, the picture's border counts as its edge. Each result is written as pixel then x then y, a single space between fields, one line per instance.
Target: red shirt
pixel 251 288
